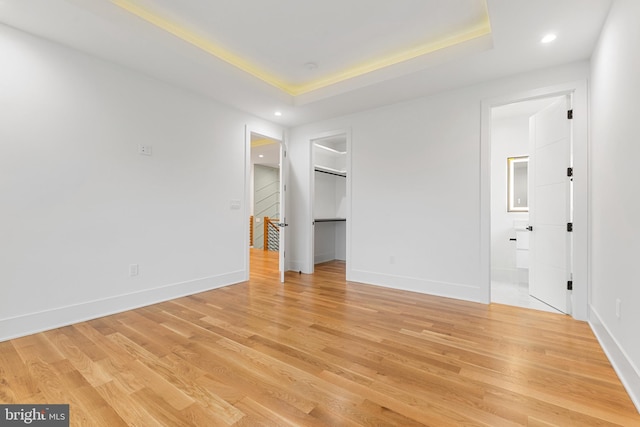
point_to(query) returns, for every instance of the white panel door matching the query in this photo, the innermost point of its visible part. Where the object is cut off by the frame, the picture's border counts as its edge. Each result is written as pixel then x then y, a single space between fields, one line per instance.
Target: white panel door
pixel 550 205
pixel 284 174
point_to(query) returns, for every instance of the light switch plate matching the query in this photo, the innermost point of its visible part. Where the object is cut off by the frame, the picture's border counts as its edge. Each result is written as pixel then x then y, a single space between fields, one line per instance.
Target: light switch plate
pixel 134 270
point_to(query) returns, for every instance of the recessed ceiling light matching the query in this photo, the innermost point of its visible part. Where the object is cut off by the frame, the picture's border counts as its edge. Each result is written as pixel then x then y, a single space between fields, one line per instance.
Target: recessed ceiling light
pixel 278 113
pixel 548 38
pixel 261 156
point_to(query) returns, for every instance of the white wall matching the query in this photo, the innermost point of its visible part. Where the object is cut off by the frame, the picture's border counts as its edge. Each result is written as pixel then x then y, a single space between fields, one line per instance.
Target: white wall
pixel 79 204
pixel 328 195
pixel 615 177
pixel 324 242
pixel 330 199
pixel 415 174
pixel 509 138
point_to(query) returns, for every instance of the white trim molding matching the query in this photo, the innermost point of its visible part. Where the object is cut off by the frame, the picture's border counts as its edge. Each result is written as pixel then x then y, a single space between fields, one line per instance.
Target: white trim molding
pixel 459 291
pixel 628 373
pixel 31 323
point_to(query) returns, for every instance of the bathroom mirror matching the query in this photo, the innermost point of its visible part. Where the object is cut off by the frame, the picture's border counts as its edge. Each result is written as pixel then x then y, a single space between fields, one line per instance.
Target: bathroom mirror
pixel 517 183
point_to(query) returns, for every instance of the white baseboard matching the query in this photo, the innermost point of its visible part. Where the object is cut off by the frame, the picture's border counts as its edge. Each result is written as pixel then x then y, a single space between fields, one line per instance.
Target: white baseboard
pixel 32 323
pixel 296 266
pixel 430 287
pixel 323 257
pixel 628 373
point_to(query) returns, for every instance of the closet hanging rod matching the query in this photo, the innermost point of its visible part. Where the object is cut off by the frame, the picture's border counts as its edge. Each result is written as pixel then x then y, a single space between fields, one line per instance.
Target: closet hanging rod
pixel 331 172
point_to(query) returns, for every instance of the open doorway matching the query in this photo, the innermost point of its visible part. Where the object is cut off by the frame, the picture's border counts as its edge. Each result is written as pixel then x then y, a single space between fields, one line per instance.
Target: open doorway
pixel 265 189
pixel 577 287
pixel 512 201
pixel 264 192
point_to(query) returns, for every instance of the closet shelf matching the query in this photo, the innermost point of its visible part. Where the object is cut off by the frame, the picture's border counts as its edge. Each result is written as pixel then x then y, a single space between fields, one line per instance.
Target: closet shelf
pixel 330 149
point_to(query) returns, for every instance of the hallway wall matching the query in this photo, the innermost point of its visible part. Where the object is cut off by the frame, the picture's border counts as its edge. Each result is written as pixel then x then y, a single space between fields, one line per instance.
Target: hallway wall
pixel 266 200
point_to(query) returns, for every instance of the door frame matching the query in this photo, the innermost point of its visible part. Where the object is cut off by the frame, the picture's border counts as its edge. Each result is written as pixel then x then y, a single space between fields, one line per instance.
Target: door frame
pixel 279 136
pixel 581 226
pixel 311 230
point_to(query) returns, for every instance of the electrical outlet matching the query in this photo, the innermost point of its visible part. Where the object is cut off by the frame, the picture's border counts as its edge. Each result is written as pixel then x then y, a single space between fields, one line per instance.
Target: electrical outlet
pixel 618 306
pixel 133 270
pixel 145 150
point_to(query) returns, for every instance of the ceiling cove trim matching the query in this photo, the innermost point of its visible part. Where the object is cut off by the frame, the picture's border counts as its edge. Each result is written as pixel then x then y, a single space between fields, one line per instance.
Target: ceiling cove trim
pixel 262 141
pixel 481 29
pixel 200 43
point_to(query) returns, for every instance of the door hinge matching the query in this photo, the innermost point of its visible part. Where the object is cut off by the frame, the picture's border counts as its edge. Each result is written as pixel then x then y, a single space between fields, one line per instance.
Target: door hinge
pixel 569 171
pixel 569 227
pixel 570 285
pixel 570 114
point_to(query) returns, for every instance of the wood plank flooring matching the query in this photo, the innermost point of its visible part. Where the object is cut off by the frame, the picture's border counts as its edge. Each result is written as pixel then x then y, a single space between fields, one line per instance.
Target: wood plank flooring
pixel 318 351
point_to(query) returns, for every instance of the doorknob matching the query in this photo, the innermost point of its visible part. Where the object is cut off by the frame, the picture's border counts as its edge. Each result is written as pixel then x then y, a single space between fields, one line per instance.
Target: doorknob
pixel 530 228
pixel 282 224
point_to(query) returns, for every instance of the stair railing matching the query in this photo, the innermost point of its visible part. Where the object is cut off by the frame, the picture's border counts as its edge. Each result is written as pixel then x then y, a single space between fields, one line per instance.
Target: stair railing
pixel 251 231
pixel 271 234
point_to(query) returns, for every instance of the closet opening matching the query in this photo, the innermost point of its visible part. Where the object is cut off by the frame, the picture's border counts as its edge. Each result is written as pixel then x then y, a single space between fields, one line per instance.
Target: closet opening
pixel 329 198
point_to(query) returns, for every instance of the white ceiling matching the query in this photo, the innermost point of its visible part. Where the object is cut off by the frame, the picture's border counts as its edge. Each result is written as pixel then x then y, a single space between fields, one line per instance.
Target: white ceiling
pixel 278 37
pixel 335 142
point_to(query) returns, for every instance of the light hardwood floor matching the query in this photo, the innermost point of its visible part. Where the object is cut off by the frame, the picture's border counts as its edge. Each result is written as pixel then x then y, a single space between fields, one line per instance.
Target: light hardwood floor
pixel 319 351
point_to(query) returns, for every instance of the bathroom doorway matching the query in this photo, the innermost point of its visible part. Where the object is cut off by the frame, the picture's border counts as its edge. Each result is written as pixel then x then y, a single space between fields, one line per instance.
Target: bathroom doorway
pixel 511 252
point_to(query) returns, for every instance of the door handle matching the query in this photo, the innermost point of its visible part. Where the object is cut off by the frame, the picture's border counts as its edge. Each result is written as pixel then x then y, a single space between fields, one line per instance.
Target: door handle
pixel 282 224
pixel 530 228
